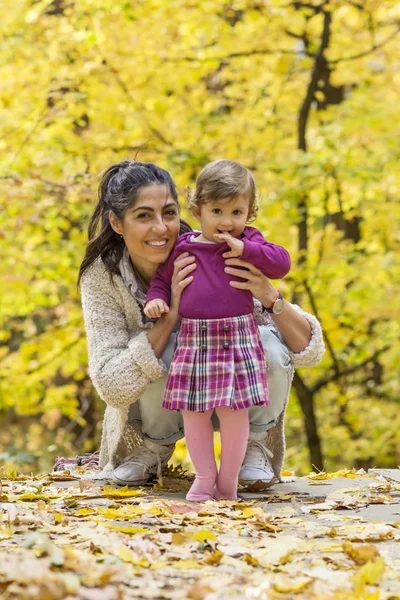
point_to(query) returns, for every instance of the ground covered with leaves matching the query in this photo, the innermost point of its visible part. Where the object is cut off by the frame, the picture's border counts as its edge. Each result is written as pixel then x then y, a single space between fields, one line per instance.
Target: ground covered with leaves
pixel 63 538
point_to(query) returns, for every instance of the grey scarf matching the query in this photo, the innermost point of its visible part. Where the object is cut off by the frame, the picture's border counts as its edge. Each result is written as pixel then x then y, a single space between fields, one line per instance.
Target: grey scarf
pixel 128 276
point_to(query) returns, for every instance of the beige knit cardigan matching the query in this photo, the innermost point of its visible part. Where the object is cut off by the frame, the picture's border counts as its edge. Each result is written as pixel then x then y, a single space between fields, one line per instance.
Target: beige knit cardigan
pixel 122 362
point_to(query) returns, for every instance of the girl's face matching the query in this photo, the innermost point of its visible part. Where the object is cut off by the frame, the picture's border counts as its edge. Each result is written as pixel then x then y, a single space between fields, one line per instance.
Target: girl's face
pixel 150 228
pixel 223 216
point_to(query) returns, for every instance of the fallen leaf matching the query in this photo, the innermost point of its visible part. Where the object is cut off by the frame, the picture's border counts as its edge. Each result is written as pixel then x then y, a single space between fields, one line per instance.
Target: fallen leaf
pixel 203 535
pixel 186 564
pixel 128 530
pixel 122 492
pixel 85 512
pixel 180 538
pixel 370 573
pixel 127 555
pixel 214 558
pixel 361 554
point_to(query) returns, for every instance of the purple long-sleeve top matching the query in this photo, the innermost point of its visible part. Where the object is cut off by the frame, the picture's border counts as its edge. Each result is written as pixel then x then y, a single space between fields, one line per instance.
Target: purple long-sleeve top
pixel 209 295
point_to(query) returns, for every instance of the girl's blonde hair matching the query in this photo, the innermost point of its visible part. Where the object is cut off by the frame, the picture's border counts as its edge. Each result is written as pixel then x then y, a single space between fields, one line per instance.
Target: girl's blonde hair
pixel 224 179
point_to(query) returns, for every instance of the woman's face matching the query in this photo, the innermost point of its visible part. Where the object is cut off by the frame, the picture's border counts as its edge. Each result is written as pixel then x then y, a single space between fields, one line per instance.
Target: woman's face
pixel 150 228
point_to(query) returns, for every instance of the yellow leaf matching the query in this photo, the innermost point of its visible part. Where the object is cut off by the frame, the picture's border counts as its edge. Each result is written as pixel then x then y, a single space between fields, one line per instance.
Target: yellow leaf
pixel 197 591
pixel 158 565
pixel 264 525
pixel 341 473
pixel 186 564
pixel 30 497
pixel 370 573
pixel 59 517
pixel 5 533
pixel 291 587
pixel 180 538
pixel 203 535
pixel 125 512
pixel 214 558
pixel 286 473
pixel 128 556
pixel 129 530
pixel 123 492
pixel 250 560
pixel 159 485
pixel 156 510
pixel 361 554
pixel 248 512
pixel 11 473
pixel 84 512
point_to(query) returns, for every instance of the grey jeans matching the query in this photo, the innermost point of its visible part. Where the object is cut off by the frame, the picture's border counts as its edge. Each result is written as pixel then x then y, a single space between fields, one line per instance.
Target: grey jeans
pixel 165 427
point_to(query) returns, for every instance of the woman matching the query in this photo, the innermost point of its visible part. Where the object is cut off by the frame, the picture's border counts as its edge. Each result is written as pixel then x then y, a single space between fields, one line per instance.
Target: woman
pixel 129 354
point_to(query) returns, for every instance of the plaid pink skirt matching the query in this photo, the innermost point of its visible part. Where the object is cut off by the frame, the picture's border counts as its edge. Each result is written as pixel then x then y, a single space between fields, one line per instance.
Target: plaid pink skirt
pixel 217 362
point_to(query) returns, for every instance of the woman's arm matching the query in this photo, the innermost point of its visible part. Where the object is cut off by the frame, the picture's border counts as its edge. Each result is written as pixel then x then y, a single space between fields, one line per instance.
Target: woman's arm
pixel 309 356
pixel 121 364
pixel 300 332
pixel 293 327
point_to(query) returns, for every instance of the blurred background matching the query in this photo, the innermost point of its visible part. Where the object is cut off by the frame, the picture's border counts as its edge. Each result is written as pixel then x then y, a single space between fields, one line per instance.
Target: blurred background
pixel 304 93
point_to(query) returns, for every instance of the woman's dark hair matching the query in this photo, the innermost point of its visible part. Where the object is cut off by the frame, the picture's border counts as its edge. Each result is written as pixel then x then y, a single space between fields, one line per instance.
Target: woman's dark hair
pixel 118 190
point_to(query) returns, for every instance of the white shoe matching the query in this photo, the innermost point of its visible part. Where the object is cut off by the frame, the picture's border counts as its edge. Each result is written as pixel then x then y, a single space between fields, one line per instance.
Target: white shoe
pixel 256 464
pixel 143 464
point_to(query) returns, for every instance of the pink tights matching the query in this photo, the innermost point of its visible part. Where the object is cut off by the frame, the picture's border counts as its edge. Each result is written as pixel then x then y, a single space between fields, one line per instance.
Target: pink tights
pixel 234 427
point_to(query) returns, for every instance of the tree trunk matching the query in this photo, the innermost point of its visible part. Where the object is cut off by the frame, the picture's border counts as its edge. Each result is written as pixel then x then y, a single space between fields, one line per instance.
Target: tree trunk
pixel 306 400
pixel 304 395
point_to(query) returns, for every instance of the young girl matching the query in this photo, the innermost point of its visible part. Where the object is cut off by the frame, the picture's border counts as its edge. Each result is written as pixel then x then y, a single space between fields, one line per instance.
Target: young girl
pixel 219 362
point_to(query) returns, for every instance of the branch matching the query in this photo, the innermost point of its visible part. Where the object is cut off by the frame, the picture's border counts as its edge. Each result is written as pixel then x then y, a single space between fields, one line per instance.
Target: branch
pixel 232 55
pixel 127 91
pixel 356 5
pixel 316 8
pixel 323 236
pixel 28 136
pixel 323 382
pixel 55 356
pixel 366 52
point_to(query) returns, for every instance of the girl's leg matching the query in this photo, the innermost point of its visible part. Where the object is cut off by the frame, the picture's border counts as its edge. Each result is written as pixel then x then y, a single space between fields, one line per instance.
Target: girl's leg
pixel 199 436
pixel 234 428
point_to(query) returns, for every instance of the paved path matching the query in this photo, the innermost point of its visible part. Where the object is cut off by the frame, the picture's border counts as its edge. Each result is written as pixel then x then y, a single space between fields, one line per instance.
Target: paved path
pixel 316 538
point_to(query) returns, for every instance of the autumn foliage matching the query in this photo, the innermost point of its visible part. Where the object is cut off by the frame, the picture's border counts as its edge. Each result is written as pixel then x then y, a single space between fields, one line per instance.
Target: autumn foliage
pixel 304 93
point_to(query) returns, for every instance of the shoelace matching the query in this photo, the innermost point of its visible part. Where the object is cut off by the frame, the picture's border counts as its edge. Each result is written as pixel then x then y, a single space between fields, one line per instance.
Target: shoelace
pixel 266 451
pixel 89 459
pixel 143 455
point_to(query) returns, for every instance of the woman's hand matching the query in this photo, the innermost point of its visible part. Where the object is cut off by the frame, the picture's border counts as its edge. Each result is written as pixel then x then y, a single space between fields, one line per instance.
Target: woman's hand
pixel 184 264
pixel 255 281
pixel 293 327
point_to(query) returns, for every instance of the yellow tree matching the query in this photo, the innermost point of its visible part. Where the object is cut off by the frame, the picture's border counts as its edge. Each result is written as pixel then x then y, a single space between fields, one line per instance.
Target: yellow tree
pixel 304 93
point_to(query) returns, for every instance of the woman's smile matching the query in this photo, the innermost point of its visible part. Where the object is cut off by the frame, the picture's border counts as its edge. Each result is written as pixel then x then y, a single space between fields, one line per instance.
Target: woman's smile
pixel 157 243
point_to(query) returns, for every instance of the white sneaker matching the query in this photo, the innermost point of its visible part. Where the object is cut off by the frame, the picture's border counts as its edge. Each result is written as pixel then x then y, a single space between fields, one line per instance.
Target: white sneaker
pixel 143 464
pixel 256 464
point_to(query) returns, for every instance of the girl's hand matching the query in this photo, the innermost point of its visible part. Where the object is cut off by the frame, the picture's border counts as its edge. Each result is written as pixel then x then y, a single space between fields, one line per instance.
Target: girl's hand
pixel 155 308
pixel 236 246
pixel 183 265
pixel 258 284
